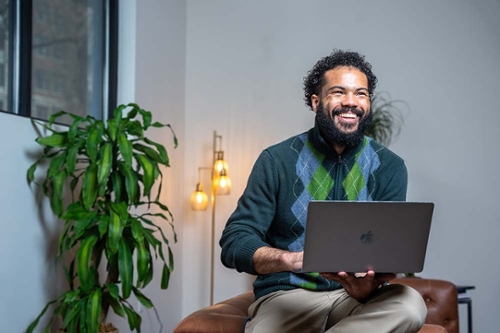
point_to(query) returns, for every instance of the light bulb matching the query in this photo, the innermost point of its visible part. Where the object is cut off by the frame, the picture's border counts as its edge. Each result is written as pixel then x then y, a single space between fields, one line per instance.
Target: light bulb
pixel 220 164
pixel 199 199
pixel 222 184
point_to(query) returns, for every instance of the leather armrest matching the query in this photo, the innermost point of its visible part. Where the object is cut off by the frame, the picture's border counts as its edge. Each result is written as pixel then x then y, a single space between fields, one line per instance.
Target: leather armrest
pixel 441 299
pixel 228 316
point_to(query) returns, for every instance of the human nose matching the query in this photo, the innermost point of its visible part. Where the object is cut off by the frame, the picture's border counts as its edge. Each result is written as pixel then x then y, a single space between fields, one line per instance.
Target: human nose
pixel 349 100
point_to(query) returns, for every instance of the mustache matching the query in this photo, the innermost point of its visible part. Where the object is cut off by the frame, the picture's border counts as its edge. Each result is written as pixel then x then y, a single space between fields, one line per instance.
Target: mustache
pixel 347 109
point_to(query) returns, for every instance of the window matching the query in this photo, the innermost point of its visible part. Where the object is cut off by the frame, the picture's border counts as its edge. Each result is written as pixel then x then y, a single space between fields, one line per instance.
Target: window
pixel 59 55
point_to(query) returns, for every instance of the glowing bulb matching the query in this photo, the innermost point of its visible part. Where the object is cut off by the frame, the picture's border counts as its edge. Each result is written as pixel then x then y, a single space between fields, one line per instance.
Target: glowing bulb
pixel 222 184
pixel 220 164
pixel 199 199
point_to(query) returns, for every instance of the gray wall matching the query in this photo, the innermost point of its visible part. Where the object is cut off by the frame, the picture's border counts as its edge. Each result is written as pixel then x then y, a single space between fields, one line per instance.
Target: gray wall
pixel 245 64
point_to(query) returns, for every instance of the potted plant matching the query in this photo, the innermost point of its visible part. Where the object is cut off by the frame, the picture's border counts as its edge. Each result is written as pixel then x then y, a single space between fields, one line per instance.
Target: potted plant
pixel 111 169
pixel 387 118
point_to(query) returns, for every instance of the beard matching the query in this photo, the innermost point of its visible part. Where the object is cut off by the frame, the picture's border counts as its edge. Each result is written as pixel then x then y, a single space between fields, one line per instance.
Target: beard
pixel 333 134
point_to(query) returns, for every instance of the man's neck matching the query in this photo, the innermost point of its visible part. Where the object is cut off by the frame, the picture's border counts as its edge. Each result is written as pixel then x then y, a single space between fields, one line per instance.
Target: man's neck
pixel 338 148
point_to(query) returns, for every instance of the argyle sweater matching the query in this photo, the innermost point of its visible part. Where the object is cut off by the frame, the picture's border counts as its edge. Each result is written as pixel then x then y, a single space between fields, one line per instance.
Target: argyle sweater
pixel 273 208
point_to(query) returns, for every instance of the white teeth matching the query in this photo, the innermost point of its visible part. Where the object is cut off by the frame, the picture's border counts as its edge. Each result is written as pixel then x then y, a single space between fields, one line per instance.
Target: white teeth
pixel 347 115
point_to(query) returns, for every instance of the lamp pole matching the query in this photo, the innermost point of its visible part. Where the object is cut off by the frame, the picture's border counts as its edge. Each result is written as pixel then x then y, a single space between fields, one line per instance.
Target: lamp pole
pixel 212 253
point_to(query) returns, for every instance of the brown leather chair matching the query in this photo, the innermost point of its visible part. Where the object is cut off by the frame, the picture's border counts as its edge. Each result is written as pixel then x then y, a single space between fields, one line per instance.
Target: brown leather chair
pixel 229 316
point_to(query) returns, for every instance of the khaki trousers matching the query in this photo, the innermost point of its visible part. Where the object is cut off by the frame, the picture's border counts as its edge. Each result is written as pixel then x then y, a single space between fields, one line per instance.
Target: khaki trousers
pixel 393 308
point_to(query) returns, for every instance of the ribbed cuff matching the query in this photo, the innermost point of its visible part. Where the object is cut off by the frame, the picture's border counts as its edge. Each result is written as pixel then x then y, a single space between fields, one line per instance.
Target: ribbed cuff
pixel 246 251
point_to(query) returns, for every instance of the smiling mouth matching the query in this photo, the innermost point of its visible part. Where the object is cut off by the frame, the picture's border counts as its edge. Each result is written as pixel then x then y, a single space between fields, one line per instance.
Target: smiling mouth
pixel 347 117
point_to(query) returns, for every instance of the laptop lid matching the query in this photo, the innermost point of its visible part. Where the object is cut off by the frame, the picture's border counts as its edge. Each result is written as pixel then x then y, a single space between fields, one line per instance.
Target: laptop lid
pixel 354 236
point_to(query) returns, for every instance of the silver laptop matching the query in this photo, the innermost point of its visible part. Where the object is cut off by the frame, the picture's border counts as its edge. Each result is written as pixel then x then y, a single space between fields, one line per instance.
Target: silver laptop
pixel 353 236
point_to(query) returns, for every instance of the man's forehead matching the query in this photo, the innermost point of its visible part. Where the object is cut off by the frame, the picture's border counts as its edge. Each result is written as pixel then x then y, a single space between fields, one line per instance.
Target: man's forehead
pixel 345 76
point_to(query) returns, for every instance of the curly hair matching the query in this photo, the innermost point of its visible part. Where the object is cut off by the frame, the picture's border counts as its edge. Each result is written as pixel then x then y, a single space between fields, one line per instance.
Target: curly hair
pixel 313 82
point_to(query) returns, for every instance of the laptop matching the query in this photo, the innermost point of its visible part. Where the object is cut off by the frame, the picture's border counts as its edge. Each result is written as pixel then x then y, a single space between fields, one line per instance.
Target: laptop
pixel 354 236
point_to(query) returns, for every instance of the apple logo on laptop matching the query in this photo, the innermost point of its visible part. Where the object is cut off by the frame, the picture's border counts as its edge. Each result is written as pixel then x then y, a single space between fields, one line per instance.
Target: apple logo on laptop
pixel 367 238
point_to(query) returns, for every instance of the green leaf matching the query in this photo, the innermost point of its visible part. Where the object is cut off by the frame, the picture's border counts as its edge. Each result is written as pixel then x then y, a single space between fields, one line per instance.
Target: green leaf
pixel 103 225
pixel 137 230
pixel 113 291
pixel 125 267
pixel 56 198
pixel 82 328
pixel 71 296
pixel 105 163
pixel 57 140
pixel 150 152
pixel 149 276
pixel 55 164
pixel 132 316
pixel 118 112
pixel 32 169
pixel 32 326
pixel 131 180
pixel 148 234
pixel 121 209
pixel 93 310
pixel 165 277
pixel 161 150
pixel 132 113
pixel 159 125
pixel 135 128
pixel 84 270
pixel 76 212
pixel 148 175
pixel 115 304
pixel 115 229
pixel 143 258
pixel 73 312
pixel 56 115
pixel 118 187
pixel 112 128
pixel 81 226
pixel 71 159
pixel 94 138
pixel 89 187
pixel 143 299
pixel 147 117
pixel 170 259
pixel 74 130
pixel 125 147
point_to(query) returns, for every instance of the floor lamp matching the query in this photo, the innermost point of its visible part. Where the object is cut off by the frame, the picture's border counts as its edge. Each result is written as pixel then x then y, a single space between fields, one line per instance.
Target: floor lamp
pixel 221 185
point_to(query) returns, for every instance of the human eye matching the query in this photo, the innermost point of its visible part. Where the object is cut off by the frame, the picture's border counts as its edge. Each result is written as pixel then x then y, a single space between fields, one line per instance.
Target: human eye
pixel 362 94
pixel 337 92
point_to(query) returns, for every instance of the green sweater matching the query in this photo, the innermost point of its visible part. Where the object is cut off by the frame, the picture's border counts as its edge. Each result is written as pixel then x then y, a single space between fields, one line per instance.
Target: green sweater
pixel 273 208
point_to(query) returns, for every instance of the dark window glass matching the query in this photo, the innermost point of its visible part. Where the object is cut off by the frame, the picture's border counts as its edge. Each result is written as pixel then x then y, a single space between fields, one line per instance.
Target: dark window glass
pixel 4 52
pixel 64 56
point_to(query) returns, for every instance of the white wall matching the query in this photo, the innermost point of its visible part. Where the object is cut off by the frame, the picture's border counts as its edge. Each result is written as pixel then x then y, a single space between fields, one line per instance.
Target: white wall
pixel 28 241
pixel 152 74
pixel 245 63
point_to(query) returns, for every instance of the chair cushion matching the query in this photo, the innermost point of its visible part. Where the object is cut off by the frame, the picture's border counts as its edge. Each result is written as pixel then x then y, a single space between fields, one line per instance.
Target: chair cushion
pixel 229 316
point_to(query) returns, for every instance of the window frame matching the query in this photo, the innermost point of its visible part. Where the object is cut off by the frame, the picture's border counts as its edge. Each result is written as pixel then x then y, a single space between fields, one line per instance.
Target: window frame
pixel 20 77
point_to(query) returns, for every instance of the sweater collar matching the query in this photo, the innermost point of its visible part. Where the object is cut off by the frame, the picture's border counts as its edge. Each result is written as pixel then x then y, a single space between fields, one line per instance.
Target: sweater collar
pixel 320 144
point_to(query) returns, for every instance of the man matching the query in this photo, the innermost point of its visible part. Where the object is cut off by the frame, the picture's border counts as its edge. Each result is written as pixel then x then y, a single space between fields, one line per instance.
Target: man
pixel 332 161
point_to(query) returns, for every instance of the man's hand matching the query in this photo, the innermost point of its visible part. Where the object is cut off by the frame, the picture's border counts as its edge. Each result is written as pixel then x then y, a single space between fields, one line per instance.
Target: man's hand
pixel 268 260
pixel 360 285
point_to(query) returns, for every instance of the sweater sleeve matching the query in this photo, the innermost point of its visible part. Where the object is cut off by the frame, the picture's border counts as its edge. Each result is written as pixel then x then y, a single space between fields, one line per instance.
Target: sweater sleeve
pixel 246 228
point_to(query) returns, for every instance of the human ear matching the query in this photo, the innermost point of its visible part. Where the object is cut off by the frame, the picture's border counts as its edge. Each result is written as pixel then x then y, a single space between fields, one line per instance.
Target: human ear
pixel 314 102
